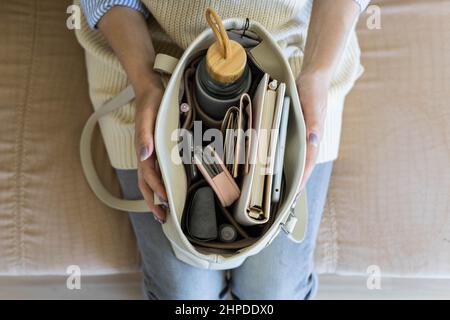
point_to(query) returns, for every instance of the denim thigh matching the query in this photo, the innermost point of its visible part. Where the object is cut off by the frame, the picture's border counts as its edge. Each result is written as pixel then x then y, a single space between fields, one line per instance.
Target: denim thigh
pixel 285 269
pixel 166 277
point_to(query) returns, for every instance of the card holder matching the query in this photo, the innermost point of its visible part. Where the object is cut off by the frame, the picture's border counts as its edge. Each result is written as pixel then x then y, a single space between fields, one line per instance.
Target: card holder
pixel 216 174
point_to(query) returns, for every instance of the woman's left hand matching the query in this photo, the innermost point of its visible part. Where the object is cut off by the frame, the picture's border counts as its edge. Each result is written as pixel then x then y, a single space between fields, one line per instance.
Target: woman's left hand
pixel 329 27
pixel 312 88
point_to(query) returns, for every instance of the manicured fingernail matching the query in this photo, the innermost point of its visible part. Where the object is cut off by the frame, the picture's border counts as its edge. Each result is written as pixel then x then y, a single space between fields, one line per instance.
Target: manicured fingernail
pixel 144 153
pixel 163 201
pixel 157 219
pixel 164 204
pixel 314 139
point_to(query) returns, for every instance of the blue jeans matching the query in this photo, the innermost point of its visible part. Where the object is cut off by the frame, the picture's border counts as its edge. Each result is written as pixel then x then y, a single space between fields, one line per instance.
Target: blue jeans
pixel 283 270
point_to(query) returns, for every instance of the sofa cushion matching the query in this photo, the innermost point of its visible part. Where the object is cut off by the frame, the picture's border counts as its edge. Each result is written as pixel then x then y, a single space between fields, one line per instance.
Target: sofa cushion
pixel 49 218
pixel 389 198
pixel 388 203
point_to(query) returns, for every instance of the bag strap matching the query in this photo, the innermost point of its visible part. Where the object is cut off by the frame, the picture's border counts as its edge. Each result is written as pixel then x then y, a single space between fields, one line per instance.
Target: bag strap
pixel 163 64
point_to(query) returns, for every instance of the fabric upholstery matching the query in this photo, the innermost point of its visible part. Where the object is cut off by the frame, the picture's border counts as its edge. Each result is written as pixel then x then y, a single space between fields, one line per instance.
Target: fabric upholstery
pixel 49 219
pixel 389 198
pixel 388 203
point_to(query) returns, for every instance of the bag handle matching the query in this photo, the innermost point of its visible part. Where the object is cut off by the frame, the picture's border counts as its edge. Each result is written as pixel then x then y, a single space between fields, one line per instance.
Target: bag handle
pixel 163 64
pixel 217 27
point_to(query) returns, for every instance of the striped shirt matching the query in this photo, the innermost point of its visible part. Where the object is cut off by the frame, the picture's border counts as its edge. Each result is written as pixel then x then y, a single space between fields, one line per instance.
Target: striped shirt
pixel 95 9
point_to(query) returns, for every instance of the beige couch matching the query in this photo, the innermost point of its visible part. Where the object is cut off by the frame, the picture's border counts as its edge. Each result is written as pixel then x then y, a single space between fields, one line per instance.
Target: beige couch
pixel 388 203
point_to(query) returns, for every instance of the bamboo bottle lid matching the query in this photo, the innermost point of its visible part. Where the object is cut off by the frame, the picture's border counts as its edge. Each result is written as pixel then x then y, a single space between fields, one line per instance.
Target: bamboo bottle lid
pixel 225 58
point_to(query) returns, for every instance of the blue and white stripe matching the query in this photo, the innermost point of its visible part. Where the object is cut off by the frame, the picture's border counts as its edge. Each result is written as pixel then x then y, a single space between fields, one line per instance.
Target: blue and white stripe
pixel 362 4
pixel 95 9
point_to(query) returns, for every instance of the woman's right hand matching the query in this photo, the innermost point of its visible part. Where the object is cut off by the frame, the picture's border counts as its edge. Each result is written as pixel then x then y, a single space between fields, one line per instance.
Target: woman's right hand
pixel 127 33
pixel 149 178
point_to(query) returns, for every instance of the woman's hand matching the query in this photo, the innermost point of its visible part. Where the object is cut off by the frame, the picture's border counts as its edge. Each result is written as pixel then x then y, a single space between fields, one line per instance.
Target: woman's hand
pixel 127 33
pixel 149 177
pixel 329 26
pixel 312 88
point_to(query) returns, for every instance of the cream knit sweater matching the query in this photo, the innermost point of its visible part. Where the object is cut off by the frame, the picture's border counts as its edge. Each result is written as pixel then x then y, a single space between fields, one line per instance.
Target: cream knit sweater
pixel 174 25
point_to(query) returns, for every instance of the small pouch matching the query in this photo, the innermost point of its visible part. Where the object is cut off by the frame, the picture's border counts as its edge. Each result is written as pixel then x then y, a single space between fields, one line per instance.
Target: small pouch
pixel 202 222
pixel 216 174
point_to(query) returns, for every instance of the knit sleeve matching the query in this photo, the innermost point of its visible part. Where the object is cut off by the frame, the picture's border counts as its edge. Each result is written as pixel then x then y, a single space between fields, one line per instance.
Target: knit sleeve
pixel 362 4
pixel 95 9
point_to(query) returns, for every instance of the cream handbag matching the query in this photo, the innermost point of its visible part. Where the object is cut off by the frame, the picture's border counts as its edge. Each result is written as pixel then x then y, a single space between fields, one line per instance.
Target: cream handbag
pixel 291 216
